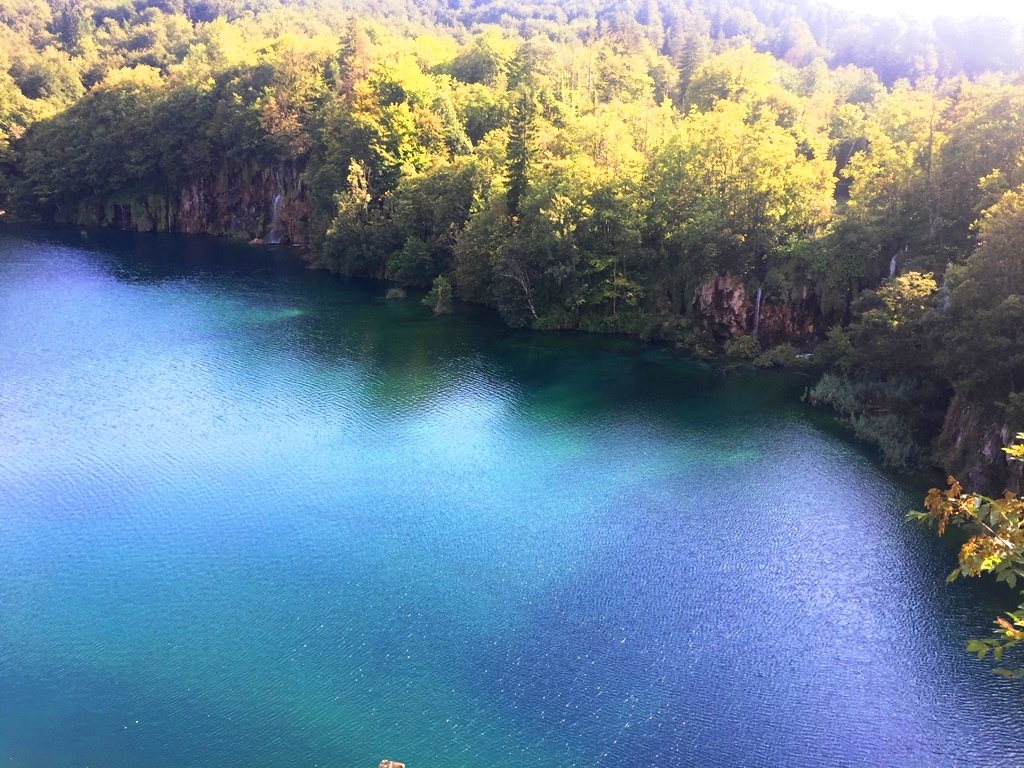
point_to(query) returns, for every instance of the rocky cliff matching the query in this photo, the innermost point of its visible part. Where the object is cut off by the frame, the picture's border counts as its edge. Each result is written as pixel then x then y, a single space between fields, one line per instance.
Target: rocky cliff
pixel 972 438
pixel 724 306
pixel 264 204
pixel 971 448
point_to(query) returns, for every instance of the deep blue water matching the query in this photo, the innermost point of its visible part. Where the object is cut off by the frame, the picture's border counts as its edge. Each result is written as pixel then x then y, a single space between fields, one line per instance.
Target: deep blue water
pixel 252 515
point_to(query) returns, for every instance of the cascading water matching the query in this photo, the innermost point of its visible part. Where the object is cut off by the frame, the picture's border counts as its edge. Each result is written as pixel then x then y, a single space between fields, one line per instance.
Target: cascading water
pixel 274 234
pixel 757 312
pixel 892 262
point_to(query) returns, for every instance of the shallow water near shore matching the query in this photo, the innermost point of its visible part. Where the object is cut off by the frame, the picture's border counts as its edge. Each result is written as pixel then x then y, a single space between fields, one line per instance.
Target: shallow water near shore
pixel 253 515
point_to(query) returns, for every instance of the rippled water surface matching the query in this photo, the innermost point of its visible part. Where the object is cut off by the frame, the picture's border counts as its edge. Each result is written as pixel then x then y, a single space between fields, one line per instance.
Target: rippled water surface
pixel 256 516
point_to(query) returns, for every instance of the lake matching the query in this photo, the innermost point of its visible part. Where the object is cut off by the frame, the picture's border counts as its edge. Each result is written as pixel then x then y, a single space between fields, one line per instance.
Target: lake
pixel 254 515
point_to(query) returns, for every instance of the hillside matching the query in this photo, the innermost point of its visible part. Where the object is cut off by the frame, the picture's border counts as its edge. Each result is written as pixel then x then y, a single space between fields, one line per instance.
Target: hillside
pixel 764 177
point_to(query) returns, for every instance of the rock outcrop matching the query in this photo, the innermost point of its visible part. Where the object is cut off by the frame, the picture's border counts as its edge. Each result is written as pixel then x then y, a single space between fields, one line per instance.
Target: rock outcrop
pixel 265 204
pixel 799 320
pixel 725 308
pixel 971 448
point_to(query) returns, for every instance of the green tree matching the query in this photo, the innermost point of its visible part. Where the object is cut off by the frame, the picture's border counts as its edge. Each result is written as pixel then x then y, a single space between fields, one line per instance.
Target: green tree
pixel 439 298
pixel 733 195
pixel 519 150
pixel 983 352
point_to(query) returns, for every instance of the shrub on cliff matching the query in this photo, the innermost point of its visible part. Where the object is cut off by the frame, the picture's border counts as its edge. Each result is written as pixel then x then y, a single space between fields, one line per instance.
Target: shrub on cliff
pixel 742 348
pixel 781 356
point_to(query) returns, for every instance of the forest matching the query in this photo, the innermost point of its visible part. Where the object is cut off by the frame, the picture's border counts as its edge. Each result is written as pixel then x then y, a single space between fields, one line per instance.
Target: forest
pixel 785 183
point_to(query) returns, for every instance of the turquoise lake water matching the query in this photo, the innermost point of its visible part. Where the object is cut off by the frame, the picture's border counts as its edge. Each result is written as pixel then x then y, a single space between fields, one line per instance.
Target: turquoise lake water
pixel 253 515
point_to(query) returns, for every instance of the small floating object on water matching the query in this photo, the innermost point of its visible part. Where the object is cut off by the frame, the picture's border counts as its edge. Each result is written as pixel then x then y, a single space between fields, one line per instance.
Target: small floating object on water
pixel 390 764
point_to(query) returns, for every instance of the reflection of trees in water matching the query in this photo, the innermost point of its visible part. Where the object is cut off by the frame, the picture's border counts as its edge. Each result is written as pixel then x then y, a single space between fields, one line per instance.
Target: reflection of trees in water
pixel 398 355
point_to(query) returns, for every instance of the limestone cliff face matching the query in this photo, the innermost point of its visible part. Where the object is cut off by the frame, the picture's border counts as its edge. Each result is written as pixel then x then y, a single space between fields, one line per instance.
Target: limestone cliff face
pixel 725 308
pixel 971 447
pixel 268 205
pixel 264 204
pixel 799 320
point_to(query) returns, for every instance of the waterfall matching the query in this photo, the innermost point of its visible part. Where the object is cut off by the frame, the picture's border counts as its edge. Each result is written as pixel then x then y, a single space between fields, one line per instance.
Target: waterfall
pixel 757 311
pixel 274 235
pixel 892 263
pixel 944 292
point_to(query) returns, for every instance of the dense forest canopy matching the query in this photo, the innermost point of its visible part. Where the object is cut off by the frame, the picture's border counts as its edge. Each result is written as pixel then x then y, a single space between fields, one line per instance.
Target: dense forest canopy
pixel 758 174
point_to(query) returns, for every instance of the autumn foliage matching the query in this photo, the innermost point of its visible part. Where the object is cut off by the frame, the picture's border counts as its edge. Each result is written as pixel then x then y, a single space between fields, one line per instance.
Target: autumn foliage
pixel 995 546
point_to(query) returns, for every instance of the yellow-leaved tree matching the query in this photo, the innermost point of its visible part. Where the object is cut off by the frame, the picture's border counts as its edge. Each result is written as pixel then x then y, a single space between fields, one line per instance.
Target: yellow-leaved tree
pixel 996 546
